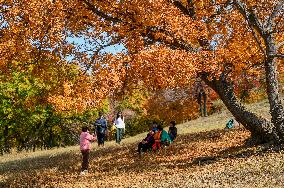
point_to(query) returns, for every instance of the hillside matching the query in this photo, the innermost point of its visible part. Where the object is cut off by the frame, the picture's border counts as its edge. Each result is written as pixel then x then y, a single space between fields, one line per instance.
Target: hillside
pixel 204 155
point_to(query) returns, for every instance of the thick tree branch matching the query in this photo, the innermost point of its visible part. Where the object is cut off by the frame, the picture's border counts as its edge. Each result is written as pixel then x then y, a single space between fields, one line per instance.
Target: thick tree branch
pixel 252 21
pixel 150 31
pixel 186 10
pixel 275 12
pixel 95 10
pixel 278 55
pixel 174 43
pixel 261 129
pixel 258 41
pixel 182 8
pixel 250 17
pixel 191 8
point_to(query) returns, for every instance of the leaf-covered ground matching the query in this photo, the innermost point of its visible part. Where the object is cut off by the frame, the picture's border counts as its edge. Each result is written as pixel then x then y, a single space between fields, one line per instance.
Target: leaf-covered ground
pixel 207 159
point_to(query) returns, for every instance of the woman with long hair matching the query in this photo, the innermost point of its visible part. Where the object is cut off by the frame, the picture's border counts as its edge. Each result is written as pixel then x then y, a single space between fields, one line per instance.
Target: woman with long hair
pixel 120 127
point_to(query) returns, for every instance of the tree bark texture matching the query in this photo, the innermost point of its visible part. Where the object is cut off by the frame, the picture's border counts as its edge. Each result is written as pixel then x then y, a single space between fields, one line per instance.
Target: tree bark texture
pixel 262 130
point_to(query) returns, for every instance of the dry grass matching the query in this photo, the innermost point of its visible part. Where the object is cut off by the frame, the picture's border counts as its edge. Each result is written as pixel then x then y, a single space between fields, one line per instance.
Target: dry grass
pixel 215 121
pixel 214 158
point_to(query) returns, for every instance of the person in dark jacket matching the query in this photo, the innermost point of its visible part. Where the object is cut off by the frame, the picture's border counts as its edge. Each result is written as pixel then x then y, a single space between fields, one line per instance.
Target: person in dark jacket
pixel 101 129
pixel 172 130
pixel 146 143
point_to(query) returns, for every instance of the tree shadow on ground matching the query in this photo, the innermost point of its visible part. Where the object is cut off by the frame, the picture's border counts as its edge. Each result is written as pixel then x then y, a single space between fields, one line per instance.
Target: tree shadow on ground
pixel 197 149
pixel 163 158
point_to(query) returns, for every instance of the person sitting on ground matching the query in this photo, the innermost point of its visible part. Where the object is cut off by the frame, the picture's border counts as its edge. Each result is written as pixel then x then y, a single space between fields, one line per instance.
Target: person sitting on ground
pixel 85 145
pixel 165 138
pixel 157 139
pixel 147 143
pixel 172 130
pixel 161 138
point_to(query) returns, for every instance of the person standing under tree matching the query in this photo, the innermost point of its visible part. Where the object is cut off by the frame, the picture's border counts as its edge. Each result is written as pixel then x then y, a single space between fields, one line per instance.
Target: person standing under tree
pixel 85 145
pixel 101 129
pixel 201 94
pixel 120 127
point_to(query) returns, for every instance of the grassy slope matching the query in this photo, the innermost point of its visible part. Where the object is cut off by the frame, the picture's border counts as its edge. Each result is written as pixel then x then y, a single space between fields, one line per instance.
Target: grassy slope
pixel 214 158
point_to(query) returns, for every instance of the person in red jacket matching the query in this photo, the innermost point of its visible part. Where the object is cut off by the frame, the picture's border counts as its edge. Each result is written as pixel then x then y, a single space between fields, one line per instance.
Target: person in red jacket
pixel 85 145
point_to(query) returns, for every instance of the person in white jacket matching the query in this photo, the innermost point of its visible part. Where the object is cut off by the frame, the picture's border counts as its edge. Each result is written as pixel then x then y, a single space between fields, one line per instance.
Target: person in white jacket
pixel 120 127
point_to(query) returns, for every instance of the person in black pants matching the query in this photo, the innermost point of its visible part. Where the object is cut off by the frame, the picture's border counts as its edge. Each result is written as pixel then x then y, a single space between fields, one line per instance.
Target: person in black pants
pixel 202 100
pixel 172 130
pixel 146 143
pixel 101 129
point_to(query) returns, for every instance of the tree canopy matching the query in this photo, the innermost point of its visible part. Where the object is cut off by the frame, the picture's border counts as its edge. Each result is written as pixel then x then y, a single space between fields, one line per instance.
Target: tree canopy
pixel 169 43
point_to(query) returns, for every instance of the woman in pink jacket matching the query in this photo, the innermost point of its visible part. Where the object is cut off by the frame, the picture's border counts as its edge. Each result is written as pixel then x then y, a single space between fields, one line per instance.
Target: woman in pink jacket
pixel 85 145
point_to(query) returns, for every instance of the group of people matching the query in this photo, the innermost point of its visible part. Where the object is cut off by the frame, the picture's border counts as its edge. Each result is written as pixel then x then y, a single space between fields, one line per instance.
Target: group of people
pixel 101 128
pixel 100 132
pixel 157 138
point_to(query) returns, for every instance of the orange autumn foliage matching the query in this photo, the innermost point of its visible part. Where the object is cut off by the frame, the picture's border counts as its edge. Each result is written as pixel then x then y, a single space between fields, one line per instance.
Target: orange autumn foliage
pixel 168 42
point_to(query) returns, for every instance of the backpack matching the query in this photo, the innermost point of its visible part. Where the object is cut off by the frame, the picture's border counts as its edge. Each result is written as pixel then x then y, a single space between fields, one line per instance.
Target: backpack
pixel 230 124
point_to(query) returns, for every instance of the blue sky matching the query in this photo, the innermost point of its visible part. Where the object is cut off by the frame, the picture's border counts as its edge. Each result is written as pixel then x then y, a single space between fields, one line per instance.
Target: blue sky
pixel 90 45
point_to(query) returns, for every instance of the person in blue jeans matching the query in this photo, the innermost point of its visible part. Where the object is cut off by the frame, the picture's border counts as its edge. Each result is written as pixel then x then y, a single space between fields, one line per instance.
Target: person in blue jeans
pixel 120 127
pixel 101 129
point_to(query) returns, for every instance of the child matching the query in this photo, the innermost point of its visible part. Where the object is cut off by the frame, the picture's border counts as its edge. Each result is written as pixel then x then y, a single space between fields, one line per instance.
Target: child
pixel 157 138
pixel 85 146
pixel 161 138
pixel 172 130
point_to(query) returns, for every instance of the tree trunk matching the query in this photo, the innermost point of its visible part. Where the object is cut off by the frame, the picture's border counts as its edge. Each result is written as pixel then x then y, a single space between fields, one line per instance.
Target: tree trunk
pixel 7 146
pixel 262 130
pixel 266 32
pixel 272 88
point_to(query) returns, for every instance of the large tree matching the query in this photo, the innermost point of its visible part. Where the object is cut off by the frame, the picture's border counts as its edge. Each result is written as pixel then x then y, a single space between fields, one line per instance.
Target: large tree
pixel 169 43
